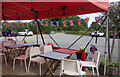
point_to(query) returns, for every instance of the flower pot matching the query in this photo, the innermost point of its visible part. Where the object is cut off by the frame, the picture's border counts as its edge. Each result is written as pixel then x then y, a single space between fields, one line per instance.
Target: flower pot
pixel 110 71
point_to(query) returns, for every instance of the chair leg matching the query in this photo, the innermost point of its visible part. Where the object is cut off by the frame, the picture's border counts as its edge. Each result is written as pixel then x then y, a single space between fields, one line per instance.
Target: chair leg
pixel 25 65
pixel 29 65
pixel 1 59
pixel 21 62
pixel 5 59
pixel 61 74
pixel 81 67
pixel 40 68
pixel 97 71
pixel 93 70
pixel 13 64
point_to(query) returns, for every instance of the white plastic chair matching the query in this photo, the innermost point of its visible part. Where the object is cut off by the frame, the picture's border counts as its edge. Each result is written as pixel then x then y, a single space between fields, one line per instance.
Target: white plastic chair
pixel 34 57
pixel 22 57
pixel 2 54
pixel 71 67
pixel 93 63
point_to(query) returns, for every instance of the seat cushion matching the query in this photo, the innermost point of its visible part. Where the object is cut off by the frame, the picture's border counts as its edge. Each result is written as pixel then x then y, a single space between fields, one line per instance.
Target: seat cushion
pixel 88 64
pixel 38 60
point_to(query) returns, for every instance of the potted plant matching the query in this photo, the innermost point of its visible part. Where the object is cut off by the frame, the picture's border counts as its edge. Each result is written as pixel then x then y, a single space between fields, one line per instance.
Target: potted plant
pixel 112 68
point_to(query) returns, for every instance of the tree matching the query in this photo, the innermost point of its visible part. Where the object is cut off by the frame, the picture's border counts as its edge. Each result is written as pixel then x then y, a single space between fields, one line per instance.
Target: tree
pixel 114 14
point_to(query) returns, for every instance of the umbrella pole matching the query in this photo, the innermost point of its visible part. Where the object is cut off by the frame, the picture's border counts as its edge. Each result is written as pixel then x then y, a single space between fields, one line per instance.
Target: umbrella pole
pixel 5 28
pixel 106 42
pixel 36 32
pixel 51 37
pixel 39 27
pixel 40 32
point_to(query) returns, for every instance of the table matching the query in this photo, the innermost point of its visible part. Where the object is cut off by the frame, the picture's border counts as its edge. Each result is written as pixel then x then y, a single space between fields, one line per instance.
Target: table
pixel 55 56
pixel 20 46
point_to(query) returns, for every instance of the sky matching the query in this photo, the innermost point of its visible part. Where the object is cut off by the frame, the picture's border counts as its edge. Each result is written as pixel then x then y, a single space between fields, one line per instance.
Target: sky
pixel 91 16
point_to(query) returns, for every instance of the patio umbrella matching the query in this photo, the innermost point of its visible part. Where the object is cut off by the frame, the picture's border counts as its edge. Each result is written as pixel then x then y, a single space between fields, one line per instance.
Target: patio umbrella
pixel 42 9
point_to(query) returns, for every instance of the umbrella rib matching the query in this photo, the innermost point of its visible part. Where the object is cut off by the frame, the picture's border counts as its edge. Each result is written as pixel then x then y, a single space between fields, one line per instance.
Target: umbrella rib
pixel 16 8
pixel 46 7
pixel 54 10
pixel 9 16
pixel 41 5
pixel 19 15
pixel 21 5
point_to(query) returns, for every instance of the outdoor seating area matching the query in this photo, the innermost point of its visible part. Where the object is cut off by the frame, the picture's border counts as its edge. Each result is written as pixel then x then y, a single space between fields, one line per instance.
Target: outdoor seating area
pixel 28 57
pixel 59 37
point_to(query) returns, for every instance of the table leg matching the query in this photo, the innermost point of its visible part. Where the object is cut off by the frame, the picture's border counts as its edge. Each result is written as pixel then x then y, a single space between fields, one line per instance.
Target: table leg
pixel 56 66
pixel 8 55
pixel 10 59
pixel 48 67
pixel 69 56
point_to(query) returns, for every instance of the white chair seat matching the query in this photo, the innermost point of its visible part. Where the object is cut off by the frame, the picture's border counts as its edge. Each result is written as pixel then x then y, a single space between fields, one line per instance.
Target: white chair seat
pixel 71 67
pixel 38 60
pixel 21 57
pixel 73 73
pixel 87 63
pixel 70 73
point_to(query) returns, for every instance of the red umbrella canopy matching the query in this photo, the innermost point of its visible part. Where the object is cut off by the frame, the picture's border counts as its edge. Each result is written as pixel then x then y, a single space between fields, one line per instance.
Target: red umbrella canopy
pixel 42 10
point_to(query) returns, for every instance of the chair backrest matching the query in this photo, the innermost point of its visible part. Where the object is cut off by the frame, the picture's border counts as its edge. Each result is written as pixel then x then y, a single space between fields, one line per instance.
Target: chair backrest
pixel 27 52
pixel 19 42
pixel 45 48
pixel 96 57
pixel 34 51
pixel 90 57
pixel 70 65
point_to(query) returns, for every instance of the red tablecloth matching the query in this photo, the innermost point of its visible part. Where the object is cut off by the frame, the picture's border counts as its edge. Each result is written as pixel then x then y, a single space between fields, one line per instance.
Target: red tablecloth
pixel 66 51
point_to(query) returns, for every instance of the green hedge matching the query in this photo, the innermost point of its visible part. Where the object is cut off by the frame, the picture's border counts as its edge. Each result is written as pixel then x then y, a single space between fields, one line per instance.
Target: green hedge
pixel 77 32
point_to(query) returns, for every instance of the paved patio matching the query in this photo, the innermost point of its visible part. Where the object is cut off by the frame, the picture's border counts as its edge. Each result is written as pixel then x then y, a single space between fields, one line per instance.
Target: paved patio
pixel 34 70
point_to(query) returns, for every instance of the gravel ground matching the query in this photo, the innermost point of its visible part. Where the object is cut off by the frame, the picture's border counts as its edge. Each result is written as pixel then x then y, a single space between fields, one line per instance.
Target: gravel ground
pixel 64 40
